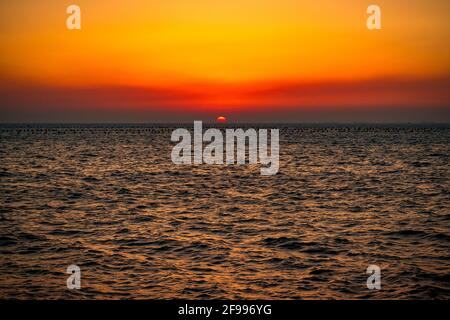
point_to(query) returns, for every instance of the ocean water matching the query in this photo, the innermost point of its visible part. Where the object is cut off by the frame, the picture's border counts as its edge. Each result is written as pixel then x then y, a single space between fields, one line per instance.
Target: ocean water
pixel 108 199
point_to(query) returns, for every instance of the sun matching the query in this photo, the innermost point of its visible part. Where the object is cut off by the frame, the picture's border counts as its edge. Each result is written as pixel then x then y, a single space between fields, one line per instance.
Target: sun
pixel 221 119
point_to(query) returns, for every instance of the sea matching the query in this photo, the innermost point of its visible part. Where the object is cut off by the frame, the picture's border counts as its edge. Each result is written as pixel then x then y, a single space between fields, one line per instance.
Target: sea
pixel 108 199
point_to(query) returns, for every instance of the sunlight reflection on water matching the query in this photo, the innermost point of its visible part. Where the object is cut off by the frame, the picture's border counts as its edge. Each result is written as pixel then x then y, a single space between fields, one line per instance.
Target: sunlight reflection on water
pixel 109 199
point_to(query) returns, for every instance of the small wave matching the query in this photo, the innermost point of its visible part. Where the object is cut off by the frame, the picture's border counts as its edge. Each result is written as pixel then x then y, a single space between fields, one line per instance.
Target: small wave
pixel 287 243
pixel 7 241
pixel 407 233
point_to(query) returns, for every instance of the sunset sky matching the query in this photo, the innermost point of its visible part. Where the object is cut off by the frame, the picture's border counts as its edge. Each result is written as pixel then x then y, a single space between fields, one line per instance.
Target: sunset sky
pixel 251 60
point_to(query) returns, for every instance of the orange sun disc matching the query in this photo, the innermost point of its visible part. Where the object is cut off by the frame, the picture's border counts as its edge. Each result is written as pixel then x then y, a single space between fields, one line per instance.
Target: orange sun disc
pixel 221 119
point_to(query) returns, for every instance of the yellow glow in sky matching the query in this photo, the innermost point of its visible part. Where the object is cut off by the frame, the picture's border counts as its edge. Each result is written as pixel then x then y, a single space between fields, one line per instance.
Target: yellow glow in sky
pixel 172 42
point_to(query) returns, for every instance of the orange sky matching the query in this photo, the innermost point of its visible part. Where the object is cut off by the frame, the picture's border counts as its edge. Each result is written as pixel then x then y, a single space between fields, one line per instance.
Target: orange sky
pixel 223 56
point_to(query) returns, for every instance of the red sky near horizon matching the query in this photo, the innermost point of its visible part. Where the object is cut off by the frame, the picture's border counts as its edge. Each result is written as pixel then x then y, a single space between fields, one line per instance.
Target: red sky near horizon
pixel 265 60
